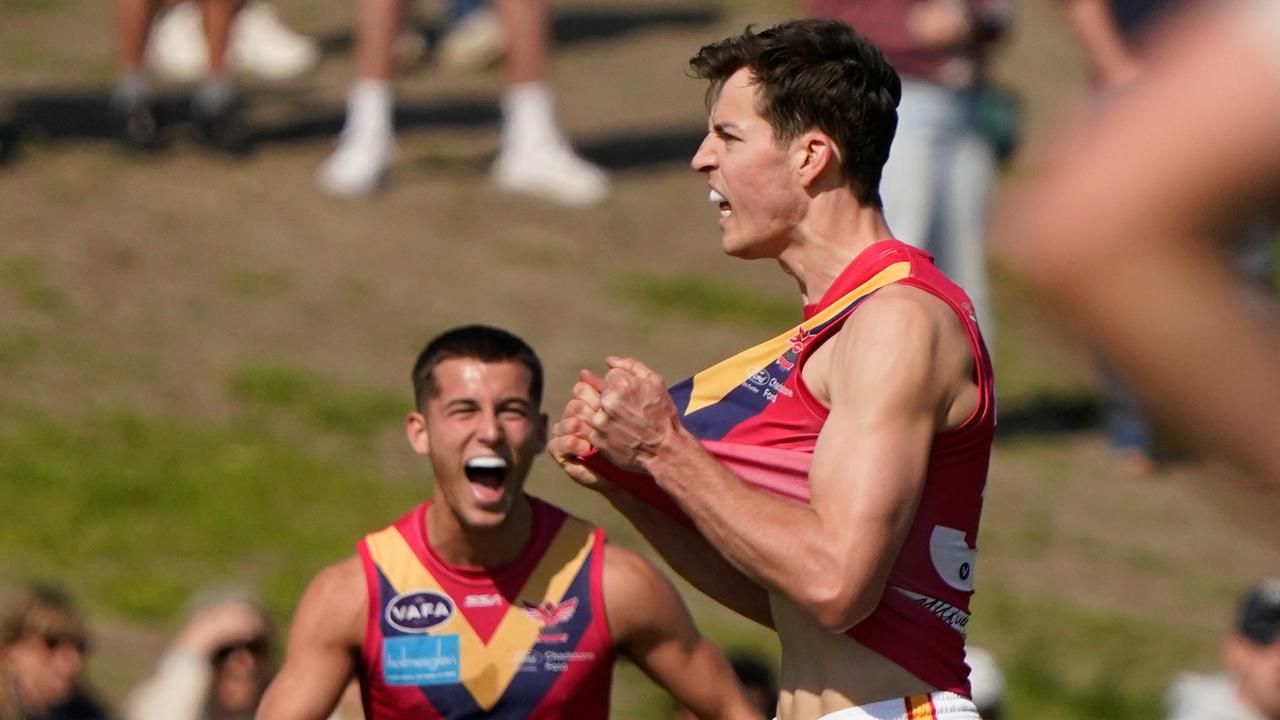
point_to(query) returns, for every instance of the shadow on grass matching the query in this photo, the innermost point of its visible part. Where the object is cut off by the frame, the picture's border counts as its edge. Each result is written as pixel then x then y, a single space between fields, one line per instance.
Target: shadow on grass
pixel 71 115
pixel 1050 413
pixel 569 26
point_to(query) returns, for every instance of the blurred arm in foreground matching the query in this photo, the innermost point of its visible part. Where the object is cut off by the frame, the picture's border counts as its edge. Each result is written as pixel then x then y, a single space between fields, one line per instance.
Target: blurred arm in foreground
pixel 1118 228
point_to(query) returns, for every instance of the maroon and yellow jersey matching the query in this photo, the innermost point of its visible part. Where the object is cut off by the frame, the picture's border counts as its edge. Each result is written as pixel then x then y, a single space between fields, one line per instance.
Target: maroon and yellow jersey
pixel 525 640
pixel 755 414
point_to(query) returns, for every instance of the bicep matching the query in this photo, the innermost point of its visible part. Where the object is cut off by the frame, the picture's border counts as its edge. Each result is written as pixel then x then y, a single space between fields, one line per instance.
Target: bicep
pixel 888 388
pixel 321 654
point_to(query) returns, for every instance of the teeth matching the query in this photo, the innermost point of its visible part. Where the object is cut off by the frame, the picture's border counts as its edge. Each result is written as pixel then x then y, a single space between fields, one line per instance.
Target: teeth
pixel 487 462
pixel 715 197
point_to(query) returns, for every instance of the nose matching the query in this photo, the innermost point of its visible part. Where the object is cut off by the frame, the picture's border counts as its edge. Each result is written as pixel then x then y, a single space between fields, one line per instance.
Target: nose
pixel 704 160
pixel 490 428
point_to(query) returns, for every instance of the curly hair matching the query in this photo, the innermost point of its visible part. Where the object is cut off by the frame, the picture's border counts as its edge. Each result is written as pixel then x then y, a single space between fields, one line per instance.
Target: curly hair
pixel 816 73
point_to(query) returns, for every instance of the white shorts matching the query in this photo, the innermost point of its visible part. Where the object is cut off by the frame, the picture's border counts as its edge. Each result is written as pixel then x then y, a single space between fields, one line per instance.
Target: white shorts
pixel 934 706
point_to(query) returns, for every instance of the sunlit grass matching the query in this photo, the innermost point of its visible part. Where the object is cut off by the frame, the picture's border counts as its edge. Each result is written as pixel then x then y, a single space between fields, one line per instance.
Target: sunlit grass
pixel 706 299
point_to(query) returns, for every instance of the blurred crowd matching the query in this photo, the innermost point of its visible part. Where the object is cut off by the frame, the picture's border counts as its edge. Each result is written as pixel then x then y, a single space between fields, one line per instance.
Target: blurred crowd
pixel 219 664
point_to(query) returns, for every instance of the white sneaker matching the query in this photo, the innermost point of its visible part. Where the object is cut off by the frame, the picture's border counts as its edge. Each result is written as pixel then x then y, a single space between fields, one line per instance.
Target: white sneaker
pixel 176 49
pixel 475 41
pixel 359 165
pixel 262 45
pixel 551 171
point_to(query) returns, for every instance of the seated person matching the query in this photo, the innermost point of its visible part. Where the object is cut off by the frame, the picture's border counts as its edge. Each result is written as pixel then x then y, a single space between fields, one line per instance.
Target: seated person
pixel 43 641
pixel 1250 687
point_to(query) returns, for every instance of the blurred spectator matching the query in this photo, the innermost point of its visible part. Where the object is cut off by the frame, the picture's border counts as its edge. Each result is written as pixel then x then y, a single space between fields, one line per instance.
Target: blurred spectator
pixel 755 673
pixel 1250 687
pixel 1121 227
pixel 986 682
pixel 1111 33
pixel 534 158
pixel 216 669
pixel 216 105
pixel 44 643
pixel 937 182
pixel 261 44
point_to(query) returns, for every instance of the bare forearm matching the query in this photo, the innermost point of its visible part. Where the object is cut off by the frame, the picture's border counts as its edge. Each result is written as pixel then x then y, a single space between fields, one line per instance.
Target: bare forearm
pixel 772 542
pixel 694 559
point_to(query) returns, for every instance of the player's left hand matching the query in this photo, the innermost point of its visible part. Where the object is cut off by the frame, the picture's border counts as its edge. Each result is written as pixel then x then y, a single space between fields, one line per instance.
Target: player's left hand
pixel 635 416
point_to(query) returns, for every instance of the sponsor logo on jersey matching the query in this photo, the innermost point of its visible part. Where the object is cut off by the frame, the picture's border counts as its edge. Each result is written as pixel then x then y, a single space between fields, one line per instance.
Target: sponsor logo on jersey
pixel 482 601
pixel 417 611
pixel 549 615
pixel 953 616
pixel 798 341
pixel 421 660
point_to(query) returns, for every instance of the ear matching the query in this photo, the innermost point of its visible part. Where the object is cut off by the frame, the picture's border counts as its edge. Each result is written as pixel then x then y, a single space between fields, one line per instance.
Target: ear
pixel 816 153
pixel 415 429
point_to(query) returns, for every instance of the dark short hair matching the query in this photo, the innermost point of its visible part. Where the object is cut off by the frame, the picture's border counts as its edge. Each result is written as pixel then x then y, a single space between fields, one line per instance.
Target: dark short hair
pixel 479 342
pixel 816 73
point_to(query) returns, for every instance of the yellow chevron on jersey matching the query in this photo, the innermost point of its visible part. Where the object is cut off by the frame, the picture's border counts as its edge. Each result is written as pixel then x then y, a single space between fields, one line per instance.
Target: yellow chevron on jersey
pixel 488 668
pixel 711 385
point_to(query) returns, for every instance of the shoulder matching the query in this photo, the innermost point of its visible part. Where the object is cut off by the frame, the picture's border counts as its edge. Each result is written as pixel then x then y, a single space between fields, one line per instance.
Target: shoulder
pixel 335 602
pixel 637 596
pixel 901 322
pixel 340 578
pixel 627 572
pixel 904 308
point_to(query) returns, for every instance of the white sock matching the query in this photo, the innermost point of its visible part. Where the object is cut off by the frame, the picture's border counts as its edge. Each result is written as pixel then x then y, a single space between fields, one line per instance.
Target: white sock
pixel 370 104
pixel 528 115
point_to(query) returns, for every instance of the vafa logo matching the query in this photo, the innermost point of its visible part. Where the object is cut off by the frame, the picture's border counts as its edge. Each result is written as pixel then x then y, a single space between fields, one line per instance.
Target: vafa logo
pixel 417 611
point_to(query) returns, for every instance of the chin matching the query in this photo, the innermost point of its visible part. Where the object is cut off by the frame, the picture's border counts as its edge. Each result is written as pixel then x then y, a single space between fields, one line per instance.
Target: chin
pixel 487 518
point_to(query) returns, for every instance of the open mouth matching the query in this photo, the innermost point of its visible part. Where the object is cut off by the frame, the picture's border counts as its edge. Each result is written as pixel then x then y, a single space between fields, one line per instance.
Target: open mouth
pixel 716 198
pixel 488 475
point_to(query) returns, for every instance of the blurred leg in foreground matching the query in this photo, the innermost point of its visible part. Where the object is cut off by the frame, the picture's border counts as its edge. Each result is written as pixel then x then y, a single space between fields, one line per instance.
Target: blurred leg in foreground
pixel 1121 228
pixel 1112 34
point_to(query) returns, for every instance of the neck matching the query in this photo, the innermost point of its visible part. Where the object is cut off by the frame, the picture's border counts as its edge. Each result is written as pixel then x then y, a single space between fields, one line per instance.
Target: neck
pixel 836 227
pixel 458 544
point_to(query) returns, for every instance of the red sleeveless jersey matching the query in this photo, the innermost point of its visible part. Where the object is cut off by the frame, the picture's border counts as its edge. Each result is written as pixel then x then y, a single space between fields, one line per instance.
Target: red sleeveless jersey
pixel 755 414
pixel 525 640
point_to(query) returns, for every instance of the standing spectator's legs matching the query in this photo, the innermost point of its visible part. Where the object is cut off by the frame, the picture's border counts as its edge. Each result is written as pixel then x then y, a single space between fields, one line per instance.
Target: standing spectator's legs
pixel 360 162
pixel 535 158
pixel 216 106
pixel 131 102
pixel 936 186
pixel 911 181
pixel 962 242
